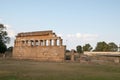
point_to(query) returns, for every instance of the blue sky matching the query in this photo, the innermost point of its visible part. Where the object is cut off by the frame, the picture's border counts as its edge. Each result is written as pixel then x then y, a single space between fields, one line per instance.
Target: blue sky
pixel 77 21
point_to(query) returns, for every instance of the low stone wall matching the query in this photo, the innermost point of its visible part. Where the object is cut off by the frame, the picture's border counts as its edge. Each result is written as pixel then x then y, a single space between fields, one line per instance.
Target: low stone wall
pixel 101 53
pixel 99 59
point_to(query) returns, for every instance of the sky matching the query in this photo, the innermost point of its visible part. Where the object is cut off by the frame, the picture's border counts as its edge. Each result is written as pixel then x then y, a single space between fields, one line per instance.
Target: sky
pixel 78 22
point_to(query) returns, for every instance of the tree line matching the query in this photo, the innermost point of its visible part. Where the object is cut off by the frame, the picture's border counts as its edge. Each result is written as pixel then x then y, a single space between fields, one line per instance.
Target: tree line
pixel 101 46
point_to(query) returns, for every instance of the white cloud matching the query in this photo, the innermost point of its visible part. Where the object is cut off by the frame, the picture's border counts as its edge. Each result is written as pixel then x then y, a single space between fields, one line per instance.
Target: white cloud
pixel 82 36
pixel 78 35
pixel 7 26
pixel 59 35
pixel 11 32
pixel 72 40
pixel 70 35
pixel 90 35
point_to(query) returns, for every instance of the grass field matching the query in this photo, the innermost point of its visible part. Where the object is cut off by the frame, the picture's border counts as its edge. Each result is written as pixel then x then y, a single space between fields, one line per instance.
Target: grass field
pixel 34 70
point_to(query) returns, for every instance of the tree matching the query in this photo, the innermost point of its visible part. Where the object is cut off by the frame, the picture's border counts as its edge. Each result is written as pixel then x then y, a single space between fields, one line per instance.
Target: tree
pixel 4 39
pixel 3 47
pixel 87 47
pixel 102 46
pixel 112 47
pixel 79 49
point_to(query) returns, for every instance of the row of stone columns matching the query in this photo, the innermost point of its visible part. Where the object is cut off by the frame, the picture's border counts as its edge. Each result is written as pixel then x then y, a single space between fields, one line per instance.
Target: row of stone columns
pixel 50 42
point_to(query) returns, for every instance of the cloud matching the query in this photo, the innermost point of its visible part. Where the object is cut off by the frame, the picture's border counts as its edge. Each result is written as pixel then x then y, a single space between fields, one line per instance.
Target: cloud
pixel 72 40
pixel 78 35
pixel 70 35
pixel 90 35
pixel 11 32
pixel 60 35
pixel 82 36
pixel 7 26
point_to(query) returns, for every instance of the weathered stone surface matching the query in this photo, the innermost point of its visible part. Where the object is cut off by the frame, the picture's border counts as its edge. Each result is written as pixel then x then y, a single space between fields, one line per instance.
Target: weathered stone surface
pixel 40 45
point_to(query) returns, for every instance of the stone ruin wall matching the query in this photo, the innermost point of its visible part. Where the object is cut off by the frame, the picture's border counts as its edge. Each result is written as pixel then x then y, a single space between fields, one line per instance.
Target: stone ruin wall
pixel 41 45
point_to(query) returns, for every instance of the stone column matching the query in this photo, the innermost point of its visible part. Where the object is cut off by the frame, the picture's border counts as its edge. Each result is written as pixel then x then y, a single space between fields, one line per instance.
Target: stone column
pixel 26 43
pixel 49 42
pixel 38 43
pixel 34 42
pixel 72 55
pixel 29 42
pixel 41 42
pixel 60 42
pixel 55 42
pixel 44 42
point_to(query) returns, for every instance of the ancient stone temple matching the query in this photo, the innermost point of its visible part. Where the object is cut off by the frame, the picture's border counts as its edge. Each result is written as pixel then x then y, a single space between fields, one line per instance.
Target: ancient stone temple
pixel 39 45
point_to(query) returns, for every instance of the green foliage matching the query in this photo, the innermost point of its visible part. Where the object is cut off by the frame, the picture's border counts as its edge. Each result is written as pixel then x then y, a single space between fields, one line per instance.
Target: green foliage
pixel 112 47
pixel 3 38
pixel 79 49
pixel 3 34
pixel 103 46
pixel 3 47
pixel 87 47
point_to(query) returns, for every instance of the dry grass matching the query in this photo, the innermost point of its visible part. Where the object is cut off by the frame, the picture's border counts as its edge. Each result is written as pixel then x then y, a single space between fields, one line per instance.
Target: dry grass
pixel 34 70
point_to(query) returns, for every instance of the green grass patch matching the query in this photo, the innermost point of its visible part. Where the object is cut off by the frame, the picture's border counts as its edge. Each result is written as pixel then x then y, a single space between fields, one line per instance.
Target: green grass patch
pixel 34 70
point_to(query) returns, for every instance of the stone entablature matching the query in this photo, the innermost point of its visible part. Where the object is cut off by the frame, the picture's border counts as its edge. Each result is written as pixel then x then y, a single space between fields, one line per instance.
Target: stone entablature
pixel 41 42
pixel 43 38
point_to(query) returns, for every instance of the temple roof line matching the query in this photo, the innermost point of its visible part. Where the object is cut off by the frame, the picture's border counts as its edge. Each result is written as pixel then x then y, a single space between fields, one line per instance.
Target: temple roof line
pixel 35 33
